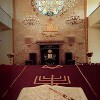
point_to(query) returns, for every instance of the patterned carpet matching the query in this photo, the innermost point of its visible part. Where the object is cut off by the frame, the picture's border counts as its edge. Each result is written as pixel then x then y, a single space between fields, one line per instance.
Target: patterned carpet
pixel 14 78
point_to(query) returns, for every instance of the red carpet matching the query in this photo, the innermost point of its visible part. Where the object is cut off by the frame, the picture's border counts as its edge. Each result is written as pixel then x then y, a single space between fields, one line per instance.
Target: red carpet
pixel 14 78
pixel 92 73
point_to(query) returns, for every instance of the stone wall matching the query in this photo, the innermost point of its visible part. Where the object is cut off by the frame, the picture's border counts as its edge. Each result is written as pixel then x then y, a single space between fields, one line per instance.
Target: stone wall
pixel 26 36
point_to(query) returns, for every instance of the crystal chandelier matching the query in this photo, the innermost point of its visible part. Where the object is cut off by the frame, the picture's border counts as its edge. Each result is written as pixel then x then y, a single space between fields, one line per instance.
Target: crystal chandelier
pixel 74 19
pixel 52 7
pixel 31 20
pixel 68 4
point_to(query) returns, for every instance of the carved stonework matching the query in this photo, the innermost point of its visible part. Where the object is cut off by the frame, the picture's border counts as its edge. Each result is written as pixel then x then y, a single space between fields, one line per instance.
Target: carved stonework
pixel 49 42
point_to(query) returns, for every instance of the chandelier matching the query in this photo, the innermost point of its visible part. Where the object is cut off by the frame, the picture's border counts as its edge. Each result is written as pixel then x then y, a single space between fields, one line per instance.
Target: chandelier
pixel 52 7
pixel 30 20
pixel 74 19
pixel 68 4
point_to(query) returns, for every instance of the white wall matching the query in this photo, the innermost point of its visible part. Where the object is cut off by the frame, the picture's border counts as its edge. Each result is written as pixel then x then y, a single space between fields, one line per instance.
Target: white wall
pixel 94 32
pixel 94 18
pixel 92 5
pixel 5 19
pixel 94 44
pixel 6 46
pixel 6 12
pixel 6 5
